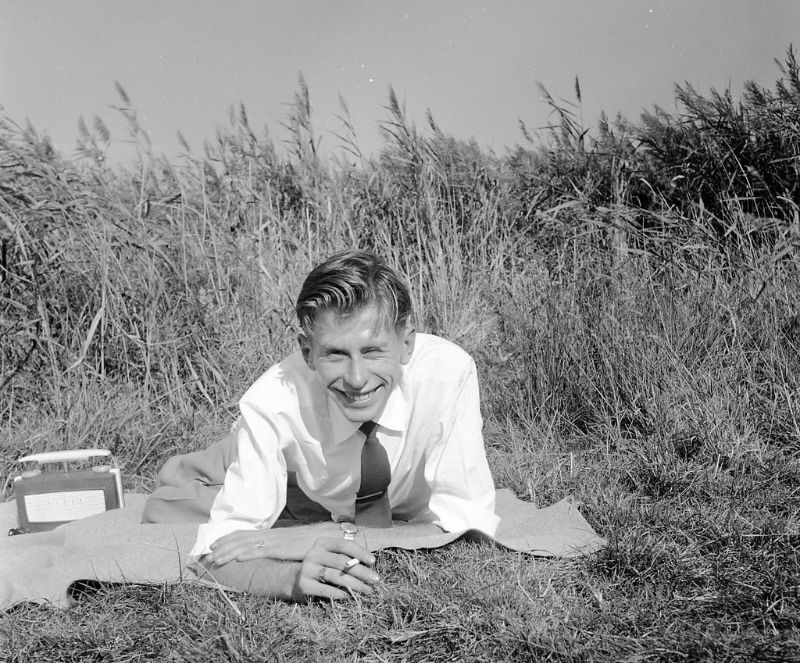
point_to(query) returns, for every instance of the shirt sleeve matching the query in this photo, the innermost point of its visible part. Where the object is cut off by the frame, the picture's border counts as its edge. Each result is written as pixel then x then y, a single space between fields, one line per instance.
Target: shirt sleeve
pixel 462 489
pixel 254 492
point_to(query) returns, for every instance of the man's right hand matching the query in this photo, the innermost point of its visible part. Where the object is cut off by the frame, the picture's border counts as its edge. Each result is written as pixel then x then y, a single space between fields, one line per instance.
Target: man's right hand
pixel 329 570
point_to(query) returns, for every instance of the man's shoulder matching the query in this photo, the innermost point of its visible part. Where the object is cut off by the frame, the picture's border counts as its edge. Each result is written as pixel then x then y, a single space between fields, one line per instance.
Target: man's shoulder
pixel 437 357
pixel 282 382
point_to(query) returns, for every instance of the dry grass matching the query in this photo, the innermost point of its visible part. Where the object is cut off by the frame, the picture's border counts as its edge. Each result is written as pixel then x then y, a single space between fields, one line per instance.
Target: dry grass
pixel 630 356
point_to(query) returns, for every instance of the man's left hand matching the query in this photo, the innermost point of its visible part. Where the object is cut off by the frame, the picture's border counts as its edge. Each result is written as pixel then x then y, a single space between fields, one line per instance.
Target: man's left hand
pixel 286 543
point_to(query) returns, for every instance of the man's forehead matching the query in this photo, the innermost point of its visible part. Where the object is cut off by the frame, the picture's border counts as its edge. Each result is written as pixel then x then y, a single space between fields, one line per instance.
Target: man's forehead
pixel 371 316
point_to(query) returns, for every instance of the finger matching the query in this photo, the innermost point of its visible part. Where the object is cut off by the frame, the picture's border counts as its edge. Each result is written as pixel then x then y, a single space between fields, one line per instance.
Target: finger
pixel 328 592
pixel 355 551
pixel 340 566
pixel 354 569
pixel 227 552
pixel 352 585
pixel 360 579
pixel 311 581
pixel 334 578
pixel 359 566
pixel 350 564
pixel 313 587
pixel 254 549
pixel 239 548
pixel 324 547
pixel 363 573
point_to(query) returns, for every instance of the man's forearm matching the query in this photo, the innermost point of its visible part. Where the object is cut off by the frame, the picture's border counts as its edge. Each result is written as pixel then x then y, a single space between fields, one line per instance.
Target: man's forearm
pixel 267 577
pixel 282 579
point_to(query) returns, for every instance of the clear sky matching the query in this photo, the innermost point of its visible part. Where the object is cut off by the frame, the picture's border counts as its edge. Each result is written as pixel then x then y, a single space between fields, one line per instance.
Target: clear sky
pixel 473 63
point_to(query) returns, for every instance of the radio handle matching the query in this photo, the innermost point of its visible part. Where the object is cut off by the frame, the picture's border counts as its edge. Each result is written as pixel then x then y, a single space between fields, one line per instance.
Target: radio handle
pixel 69 456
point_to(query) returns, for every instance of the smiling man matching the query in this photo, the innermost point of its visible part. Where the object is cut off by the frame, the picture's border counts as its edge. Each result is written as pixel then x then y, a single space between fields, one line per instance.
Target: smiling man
pixel 369 422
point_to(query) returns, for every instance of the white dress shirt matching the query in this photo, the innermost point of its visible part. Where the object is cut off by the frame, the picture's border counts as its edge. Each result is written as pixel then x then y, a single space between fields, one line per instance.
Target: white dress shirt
pixel 430 427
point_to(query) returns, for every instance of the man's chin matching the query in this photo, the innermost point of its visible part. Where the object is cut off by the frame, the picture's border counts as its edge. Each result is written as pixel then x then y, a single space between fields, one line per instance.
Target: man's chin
pixel 359 412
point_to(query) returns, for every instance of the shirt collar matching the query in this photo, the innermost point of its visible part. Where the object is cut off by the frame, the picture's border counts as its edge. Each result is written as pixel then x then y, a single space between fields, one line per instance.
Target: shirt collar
pixel 395 413
pixel 394 416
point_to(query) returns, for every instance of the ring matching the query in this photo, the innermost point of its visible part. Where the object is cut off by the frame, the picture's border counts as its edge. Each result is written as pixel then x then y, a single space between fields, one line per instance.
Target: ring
pixel 321 575
pixel 350 564
pixel 259 543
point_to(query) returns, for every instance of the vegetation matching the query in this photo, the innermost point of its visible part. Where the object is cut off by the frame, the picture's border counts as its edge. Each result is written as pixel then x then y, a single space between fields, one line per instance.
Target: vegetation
pixel 629 294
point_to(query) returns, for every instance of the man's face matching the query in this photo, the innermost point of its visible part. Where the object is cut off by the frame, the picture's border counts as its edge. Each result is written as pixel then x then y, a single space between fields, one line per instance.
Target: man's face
pixel 358 357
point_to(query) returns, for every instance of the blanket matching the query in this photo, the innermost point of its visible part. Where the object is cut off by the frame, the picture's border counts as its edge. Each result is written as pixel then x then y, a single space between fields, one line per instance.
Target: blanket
pixel 116 547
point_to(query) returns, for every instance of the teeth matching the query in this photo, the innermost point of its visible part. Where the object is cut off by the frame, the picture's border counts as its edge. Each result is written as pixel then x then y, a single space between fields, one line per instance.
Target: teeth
pixel 359 397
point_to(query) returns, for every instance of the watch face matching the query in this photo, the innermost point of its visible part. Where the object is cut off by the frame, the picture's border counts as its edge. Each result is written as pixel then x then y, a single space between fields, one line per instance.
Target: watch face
pixel 349 530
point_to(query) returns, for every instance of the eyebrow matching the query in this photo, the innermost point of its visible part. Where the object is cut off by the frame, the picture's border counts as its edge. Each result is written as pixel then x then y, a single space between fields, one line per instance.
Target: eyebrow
pixel 332 349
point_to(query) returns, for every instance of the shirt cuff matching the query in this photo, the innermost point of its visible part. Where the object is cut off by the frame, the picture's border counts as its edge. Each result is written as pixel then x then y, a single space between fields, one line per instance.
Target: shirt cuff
pixel 457 514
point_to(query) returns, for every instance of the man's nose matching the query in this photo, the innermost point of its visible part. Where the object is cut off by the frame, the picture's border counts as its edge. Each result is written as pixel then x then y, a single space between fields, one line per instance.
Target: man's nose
pixel 356 376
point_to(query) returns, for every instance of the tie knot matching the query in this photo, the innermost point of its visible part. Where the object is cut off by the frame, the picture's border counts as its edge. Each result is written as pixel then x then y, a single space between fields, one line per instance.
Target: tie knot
pixel 367 427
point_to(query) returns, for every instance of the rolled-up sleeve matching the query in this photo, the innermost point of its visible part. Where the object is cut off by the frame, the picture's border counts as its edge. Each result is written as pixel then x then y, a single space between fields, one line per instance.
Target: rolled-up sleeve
pixel 254 492
pixel 462 488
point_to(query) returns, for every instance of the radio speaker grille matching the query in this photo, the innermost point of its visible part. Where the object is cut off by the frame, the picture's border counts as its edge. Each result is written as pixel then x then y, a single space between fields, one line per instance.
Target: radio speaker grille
pixel 67 505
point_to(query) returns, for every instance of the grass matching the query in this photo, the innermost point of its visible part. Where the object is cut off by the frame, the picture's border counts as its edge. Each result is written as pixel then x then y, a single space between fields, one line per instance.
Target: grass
pixel 637 349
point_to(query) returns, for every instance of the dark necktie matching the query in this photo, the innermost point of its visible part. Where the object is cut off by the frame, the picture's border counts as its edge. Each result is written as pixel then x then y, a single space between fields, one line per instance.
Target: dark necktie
pixel 372 499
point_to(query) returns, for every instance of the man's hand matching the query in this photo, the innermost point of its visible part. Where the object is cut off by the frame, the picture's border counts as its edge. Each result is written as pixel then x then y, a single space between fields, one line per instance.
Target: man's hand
pixel 329 567
pixel 333 567
pixel 284 543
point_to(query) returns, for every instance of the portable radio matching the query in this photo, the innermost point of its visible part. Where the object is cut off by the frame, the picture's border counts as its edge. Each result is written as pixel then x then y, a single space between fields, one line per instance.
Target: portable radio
pixel 47 498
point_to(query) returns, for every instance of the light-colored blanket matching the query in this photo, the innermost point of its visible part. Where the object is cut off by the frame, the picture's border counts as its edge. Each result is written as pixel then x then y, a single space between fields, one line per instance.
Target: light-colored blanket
pixel 116 547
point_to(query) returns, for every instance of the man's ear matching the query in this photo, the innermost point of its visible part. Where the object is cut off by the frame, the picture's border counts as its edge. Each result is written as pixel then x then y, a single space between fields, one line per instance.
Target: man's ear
pixel 305 348
pixel 409 337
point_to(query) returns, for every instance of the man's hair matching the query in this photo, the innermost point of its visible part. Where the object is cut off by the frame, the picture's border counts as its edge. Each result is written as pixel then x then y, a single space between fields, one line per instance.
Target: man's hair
pixel 348 281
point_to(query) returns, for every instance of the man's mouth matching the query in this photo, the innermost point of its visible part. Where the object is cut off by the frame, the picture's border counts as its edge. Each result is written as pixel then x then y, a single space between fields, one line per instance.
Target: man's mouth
pixel 358 397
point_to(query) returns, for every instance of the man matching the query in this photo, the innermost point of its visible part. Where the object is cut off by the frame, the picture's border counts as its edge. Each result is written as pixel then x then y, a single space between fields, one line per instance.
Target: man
pixel 365 397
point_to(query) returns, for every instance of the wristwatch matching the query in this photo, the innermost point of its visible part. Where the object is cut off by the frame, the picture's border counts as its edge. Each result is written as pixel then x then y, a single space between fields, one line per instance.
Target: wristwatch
pixel 350 530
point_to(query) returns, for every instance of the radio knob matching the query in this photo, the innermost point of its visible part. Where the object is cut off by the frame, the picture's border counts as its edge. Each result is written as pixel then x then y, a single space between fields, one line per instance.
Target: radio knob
pixel 101 468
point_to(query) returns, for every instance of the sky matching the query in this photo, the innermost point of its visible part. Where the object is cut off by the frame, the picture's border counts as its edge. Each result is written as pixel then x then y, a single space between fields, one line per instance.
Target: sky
pixel 474 64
